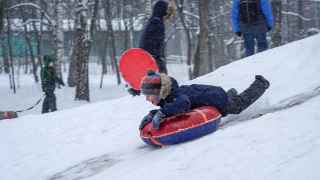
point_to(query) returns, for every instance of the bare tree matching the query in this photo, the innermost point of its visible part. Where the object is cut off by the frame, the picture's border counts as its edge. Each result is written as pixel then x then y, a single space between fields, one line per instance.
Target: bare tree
pixel 58 35
pixel 28 40
pixel 5 56
pixel 148 8
pixel 103 55
pixel 276 35
pixel 9 34
pixel 180 4
pixel 201 57
pixel 5 66
pixel 85 38
pixel 73 65
pixel 128 23
pixel 2 11
pixel 108 17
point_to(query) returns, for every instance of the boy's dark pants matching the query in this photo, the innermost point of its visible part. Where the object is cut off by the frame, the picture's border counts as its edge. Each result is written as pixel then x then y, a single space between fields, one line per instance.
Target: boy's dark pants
pixel 49 102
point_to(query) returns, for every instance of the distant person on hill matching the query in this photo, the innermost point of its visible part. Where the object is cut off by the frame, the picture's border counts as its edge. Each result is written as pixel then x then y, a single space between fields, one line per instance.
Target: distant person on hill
pixel 153 36
pixel 49 79
pixel 252 19
pixel 162 90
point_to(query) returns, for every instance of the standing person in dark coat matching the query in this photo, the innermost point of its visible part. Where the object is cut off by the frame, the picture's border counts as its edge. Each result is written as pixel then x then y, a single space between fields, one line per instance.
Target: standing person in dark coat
pixel 49 79
pixel 252 19
pixel 153 36
pixel 162 90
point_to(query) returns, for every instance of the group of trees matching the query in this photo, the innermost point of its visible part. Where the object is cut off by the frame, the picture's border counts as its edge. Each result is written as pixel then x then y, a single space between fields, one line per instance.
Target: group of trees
pixel 79 32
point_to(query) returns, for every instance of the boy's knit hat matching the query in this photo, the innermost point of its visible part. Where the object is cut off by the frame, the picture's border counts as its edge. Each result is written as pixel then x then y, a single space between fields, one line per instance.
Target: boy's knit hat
pixel 151 84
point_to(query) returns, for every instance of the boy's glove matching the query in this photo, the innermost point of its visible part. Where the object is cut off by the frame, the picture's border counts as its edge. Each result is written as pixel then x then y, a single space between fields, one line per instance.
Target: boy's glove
pixel 156 120
pixel 133 92
pixel 145 121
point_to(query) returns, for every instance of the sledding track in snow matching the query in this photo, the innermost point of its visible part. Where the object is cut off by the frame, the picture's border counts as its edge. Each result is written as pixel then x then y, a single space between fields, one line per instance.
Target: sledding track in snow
pixel 85 169
pixel 282 105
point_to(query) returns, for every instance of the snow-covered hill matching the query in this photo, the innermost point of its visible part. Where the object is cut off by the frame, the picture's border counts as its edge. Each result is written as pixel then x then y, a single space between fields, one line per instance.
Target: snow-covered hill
pixel 101 140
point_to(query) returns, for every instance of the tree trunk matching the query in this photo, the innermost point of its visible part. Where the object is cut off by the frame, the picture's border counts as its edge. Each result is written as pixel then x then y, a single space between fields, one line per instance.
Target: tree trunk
pixel 125 18
pixel 37 35
pixel 5 57
pixel 300 20
pixel 103 55
pixel 188 37
pixel 29 44
pixel 82 89
pixel 276 37
pixel 131 23
pixel 112 38
pixel 82 55
pixel 210 55
pixel 148 9
pixel 201 57
pixel 2 12
pixel 59 36
pixel 26 61
pixel 73 68
pixel 3 5
pixel 11 76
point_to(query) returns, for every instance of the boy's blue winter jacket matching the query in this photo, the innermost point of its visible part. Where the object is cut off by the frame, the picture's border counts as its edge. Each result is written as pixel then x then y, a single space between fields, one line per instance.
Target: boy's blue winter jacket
pixel 265 20
pixel 153 35
pixel 184 98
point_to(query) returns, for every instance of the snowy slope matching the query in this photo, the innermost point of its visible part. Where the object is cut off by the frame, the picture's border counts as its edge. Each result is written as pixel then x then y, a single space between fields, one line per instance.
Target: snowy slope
pixel 101 140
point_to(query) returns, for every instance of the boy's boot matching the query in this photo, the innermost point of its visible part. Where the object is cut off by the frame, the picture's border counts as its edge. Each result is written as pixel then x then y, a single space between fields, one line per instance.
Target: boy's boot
pixel 242 101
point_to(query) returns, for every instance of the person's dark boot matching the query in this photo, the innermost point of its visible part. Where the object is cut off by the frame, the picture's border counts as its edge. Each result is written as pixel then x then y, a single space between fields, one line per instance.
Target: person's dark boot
pixel 242 101
pixel 265 82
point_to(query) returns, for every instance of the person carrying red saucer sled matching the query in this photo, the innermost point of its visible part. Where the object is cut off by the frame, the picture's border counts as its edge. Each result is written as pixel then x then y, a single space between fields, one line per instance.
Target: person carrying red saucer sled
pixel 164 91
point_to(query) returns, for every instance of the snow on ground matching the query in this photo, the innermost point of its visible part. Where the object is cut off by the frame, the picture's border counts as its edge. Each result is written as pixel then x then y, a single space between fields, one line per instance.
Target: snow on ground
pixel 101 141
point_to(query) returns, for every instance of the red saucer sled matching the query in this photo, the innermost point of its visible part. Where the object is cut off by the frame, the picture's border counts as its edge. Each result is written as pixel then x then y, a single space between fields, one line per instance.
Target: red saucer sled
pixel 134 64
pixel 8 115
pixel 183 127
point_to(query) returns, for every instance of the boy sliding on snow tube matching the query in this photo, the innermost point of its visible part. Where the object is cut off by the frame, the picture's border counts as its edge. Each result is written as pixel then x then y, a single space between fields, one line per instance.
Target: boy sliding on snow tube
pixel 162 90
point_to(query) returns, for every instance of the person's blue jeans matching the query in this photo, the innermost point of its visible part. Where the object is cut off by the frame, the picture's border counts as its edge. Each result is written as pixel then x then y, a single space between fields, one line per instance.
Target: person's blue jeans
pixel 249 42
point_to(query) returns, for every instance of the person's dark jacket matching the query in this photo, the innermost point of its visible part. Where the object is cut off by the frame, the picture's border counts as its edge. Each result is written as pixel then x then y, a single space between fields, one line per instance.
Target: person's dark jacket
pixel 264 21
pixel 49 77
pixel 185 98
pixel 153 35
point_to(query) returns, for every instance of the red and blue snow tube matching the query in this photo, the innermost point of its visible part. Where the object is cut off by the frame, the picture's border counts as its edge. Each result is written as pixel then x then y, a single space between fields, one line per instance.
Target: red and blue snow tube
pixel 183 127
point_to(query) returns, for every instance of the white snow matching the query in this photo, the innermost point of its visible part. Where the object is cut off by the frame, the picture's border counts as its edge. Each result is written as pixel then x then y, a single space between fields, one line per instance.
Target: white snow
pixel 101 141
